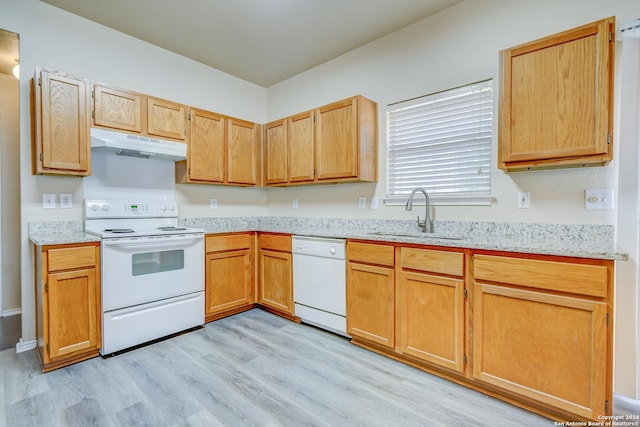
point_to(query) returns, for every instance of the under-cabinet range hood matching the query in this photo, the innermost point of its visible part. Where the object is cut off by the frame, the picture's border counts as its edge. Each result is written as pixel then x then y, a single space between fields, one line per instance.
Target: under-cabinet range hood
pixel 124 144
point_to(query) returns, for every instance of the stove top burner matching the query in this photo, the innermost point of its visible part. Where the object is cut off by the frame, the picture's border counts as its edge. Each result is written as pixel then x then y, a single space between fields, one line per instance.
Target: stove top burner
pixel 171 228
pixel 118 230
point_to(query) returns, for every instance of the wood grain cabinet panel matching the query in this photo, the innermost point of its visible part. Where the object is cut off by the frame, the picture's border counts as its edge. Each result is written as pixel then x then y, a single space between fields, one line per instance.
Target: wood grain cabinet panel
pixel 68 314
pixel 229 277
pixel 117 108
pixel 275 153
pixel 243 146
pixel 60 124
pixel 275 286
pixel 206 151
pixel 546 347
pixel 431 319
pixel 166 119
pixel 301 146
pixel 556 101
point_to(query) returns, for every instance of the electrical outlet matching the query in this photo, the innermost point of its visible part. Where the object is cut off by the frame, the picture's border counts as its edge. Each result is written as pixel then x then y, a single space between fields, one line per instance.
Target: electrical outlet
pixel 524 199
pixel 213 204
pixel 362 202
pixel 294 204
pixel 375 202
pixel 598 198
pixel 66 201
pixel 48 201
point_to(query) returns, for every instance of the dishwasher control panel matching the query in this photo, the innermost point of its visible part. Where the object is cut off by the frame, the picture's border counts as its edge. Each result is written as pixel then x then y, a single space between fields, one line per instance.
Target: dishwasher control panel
pixel 318 246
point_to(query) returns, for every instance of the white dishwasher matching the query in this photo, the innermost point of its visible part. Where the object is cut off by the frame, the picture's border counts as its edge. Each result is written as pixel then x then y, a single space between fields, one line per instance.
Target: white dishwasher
pixel 319 282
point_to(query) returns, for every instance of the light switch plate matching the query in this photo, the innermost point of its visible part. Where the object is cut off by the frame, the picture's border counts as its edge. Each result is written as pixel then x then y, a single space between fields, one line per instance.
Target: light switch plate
pixel 362 202
pixel 66 201
pixel 598 198
pixel 375 202
pixel 294 204
pixel 524 200
pixel 213 204
pixel 48 201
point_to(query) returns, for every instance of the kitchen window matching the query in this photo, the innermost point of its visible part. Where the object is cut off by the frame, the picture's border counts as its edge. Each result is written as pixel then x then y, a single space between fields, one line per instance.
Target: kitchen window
pixel 442 143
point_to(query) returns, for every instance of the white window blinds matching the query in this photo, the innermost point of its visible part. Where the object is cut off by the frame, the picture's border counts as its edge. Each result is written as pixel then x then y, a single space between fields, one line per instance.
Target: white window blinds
pixel 442 142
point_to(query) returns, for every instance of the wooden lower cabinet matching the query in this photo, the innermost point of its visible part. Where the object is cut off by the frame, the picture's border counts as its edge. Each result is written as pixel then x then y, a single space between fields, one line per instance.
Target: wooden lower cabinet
pixel 371 293
pixel 68 303
pixel 553 348
pixel 229 278
pixel 533 330
pixel 275 286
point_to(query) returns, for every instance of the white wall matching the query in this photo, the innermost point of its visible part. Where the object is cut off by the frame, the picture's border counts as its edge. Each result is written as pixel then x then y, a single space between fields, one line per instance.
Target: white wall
pixel 457 46
pixel 55 39
pixel 10 170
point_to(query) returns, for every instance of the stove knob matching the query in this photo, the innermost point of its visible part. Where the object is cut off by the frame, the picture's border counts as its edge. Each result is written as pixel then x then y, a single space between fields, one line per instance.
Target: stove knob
pixel 106 207
pixel 95 207
pixel 172 208
pixel 163 208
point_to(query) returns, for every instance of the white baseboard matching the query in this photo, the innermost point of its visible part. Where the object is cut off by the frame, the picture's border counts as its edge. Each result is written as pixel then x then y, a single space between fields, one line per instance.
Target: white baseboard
pixel 23 346
pixel 11 312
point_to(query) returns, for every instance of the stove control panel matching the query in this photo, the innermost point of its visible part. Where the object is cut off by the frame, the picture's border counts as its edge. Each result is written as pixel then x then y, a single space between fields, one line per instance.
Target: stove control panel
pixel 130 209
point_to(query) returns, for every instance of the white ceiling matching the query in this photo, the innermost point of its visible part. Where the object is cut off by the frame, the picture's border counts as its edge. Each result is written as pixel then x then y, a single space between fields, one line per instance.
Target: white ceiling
pixel 261 41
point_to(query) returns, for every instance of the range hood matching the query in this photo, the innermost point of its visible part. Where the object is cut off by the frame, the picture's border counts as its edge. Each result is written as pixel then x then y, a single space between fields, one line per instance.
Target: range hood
pixel 124 144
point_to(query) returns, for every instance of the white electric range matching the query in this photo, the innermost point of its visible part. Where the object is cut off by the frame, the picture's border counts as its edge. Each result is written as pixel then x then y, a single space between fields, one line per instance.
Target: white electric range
pixel 152 271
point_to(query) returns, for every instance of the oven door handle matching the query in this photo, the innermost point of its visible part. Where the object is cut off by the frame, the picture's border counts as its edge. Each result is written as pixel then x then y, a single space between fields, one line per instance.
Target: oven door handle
pixel 153 241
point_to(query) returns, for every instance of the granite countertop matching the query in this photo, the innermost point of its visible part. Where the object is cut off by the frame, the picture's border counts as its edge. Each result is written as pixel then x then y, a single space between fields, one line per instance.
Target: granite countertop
pixel 573 240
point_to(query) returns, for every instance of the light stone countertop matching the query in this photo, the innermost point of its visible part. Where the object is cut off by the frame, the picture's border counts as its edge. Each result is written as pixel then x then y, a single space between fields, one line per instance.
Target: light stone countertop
pixel 572 240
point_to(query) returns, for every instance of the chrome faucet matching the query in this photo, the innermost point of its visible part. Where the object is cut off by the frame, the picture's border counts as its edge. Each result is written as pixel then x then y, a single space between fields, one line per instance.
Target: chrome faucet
pixel 427 225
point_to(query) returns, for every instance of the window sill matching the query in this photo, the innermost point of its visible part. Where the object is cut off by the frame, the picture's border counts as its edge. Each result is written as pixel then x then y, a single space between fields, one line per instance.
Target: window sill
pixel 436 200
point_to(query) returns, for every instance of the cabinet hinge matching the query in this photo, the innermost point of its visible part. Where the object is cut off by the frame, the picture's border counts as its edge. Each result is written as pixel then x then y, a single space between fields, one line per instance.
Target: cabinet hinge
pixel 40 156
pixel 189 116
pixel 607 319
pixel 93 114
pixel 39 82
pixel 608 138
pixel 610 36
pixel 46 287
pixel 606 406
pixel 464 359
pixel 48 348
pixel 464 293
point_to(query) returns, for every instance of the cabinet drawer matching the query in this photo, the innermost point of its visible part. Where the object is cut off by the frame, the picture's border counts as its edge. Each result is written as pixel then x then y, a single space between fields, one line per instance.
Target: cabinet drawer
pixel 71 257
pixel 442 262
pixel 583 279
pixel 276 242
pixel 371 253
pixel 226 242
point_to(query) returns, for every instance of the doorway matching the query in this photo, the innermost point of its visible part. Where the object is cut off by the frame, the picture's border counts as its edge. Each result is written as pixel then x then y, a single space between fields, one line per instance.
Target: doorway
pixel 10 283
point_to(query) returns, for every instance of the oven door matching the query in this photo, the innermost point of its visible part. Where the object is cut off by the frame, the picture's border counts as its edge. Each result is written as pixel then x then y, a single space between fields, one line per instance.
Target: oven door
pixel 145 269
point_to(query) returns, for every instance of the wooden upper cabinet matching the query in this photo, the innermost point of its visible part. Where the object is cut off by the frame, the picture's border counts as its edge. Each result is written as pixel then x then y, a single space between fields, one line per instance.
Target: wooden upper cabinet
pixel 556 100
pixel 243 146
pixel 137 113
pixel 61 142
pixel 346 141
pixel 275 153
pixel 206 147
pixel 166 119
pixel 116 108
pixel 300 142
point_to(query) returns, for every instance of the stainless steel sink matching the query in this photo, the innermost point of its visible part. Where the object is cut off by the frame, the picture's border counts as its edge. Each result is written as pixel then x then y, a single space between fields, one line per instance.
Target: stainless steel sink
pixel 418 235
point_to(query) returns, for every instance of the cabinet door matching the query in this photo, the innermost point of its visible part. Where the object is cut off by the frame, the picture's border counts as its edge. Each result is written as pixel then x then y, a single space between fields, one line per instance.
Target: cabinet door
pixel 370 303
pixel 276 284
pixel 242 152
pixel 118 109
pixel 228 281
pixel 275 153
pixel 166 119
pixel 337 140
pixel 547 347
pixel 431 319
pixel 72 307
pixel 62 134
pixel 556 98
pixel 206 147
pixel 300 141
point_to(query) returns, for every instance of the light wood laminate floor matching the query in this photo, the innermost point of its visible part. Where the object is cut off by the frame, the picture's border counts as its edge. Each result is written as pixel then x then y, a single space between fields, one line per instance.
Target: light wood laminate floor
pixel 251 369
